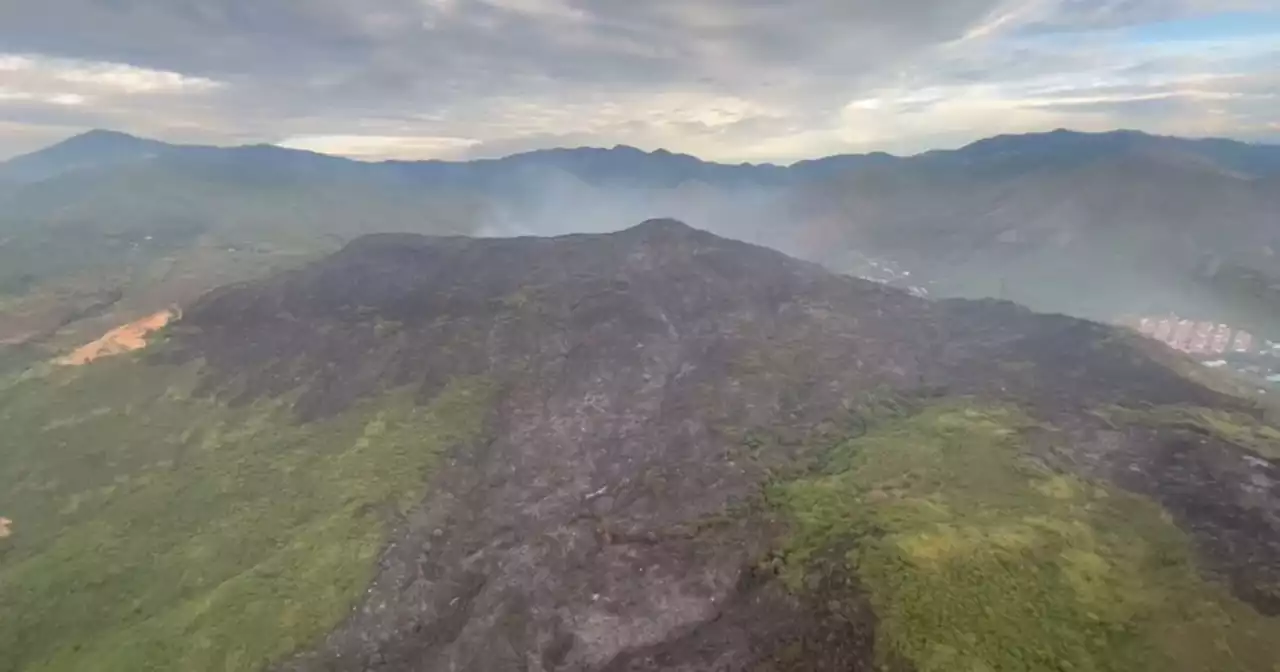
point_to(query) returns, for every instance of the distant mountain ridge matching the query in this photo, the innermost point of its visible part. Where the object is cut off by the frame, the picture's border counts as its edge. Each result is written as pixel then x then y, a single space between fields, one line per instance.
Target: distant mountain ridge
pixel 623 163
pixel 1089 225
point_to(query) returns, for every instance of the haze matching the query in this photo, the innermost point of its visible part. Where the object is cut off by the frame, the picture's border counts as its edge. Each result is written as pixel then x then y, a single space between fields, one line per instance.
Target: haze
pixel 725 80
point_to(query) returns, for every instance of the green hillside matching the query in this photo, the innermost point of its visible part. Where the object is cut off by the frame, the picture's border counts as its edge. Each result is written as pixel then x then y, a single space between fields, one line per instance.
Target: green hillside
pixel 977 558
pixel 157 531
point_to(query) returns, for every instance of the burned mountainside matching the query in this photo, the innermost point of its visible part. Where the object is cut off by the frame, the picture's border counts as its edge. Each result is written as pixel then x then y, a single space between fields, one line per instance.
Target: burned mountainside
pixel 656 449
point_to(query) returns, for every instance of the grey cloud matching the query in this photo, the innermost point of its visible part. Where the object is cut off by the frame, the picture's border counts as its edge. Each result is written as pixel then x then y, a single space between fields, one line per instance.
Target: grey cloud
pixel 328 45
pixel 215 38
pixel 523 74
pixel 316 66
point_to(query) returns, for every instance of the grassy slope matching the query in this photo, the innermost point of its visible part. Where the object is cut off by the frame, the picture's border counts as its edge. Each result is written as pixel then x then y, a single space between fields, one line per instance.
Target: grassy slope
pixel 976 559
pixel 1235 428
pixel 154 531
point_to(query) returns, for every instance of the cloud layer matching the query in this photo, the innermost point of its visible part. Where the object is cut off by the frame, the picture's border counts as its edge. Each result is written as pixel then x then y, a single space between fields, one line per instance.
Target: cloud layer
pixel 758 80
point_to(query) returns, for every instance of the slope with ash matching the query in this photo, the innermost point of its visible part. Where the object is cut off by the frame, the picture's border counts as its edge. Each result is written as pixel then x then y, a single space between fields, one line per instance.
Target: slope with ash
pixel 650 450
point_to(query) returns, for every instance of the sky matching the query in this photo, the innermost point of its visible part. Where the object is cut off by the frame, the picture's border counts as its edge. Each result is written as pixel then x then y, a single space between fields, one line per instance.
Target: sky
pixel 727 80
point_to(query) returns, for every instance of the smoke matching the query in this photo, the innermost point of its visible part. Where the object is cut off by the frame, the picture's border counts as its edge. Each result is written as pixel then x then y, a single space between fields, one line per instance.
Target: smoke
pixel 1091 250
pixel 556 203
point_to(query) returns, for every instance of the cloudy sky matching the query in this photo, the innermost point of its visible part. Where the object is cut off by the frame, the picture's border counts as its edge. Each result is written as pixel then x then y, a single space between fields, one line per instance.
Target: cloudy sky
pixel 755 80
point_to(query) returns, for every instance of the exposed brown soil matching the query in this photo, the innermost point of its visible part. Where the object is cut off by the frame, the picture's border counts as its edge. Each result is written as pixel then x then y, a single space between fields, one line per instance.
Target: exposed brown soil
pixel 125 338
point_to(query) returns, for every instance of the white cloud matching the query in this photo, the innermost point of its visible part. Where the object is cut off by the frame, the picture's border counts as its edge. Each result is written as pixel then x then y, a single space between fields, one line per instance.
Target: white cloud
pixel 44 92
pixel 909 120
pixel 64 99
pixel 99 77
pixel 67 99
pixel 1001 80
pixel 560 10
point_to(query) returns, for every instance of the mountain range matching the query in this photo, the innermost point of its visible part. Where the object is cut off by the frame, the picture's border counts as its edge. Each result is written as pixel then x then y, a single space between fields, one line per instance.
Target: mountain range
pixel 106 227
pixel 1086 225
pixel 656 449
pixel 625 164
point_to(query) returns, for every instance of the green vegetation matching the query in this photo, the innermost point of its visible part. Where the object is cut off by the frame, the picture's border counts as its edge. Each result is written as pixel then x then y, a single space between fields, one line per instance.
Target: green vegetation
pixel 975 558
pixel 155 531
pixel 1237 428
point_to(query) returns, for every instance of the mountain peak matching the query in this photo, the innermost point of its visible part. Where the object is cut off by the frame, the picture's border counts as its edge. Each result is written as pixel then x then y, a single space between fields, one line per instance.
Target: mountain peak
pixel 665 226
pixel 91 149
pixel 99 134
pixel 104 140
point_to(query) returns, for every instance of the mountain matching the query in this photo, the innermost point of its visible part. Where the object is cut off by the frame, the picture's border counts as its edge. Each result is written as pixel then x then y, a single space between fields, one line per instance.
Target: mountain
pixel 655 449
pixel 105 228
pixel 623 164
pixel 120 234
pixel 1064 147
pixel 1096 226
pixel 94 149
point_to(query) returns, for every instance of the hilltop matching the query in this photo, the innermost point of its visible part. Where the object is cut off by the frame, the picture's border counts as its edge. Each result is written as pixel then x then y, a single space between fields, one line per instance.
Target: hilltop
pixel 655 449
